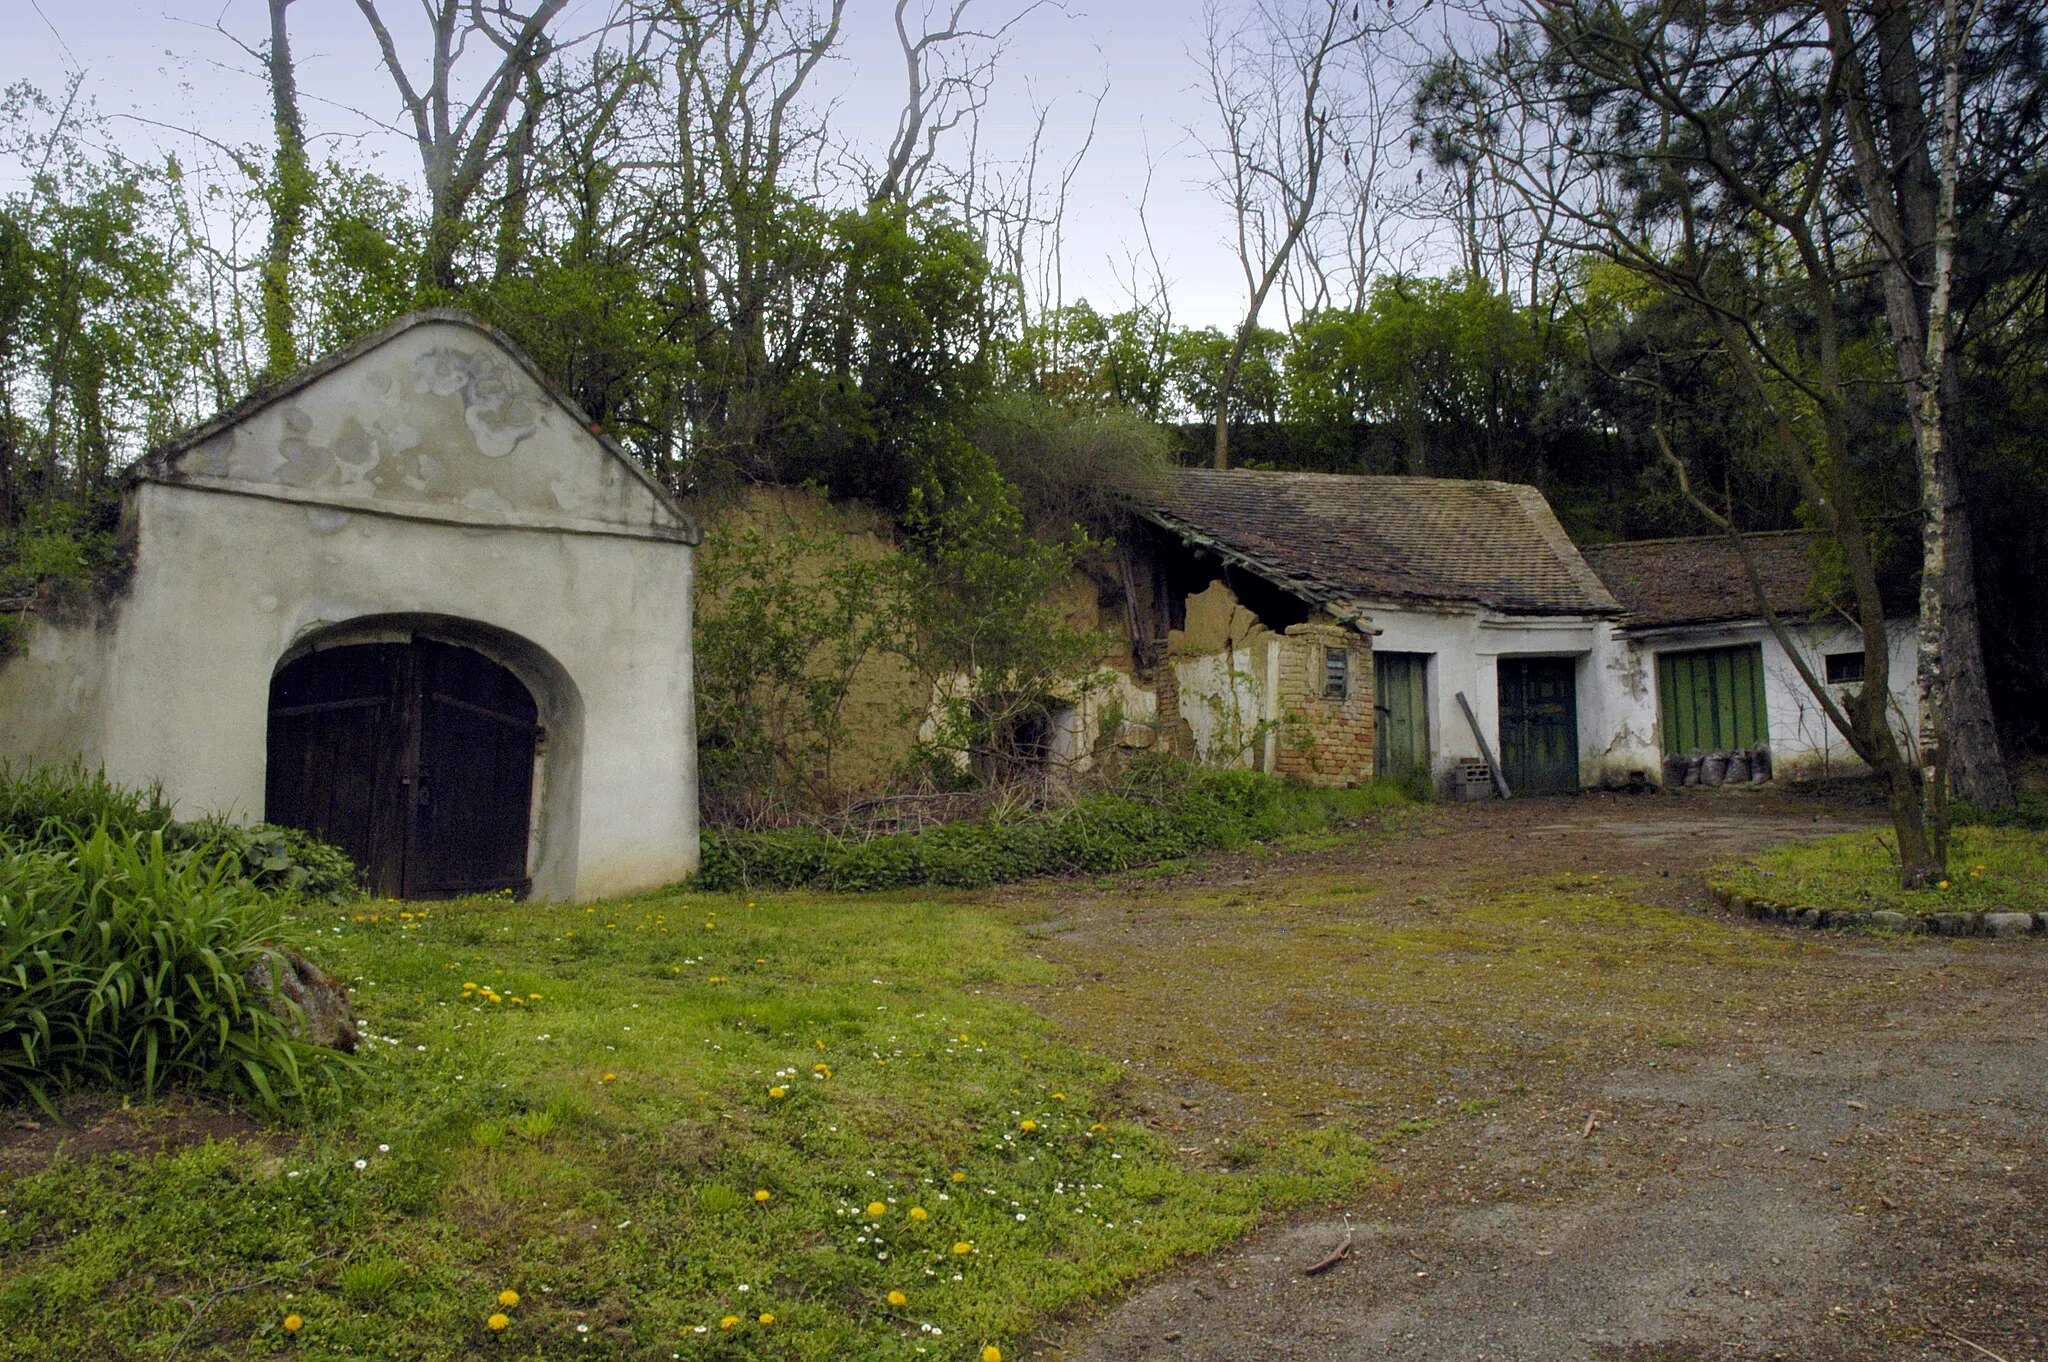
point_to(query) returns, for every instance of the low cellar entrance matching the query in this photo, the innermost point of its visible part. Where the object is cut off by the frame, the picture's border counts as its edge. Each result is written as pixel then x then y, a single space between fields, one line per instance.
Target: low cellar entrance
pixel 417 758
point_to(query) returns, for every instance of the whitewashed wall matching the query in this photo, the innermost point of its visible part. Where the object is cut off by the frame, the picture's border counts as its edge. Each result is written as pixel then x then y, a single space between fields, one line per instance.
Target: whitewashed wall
pixel 1804 745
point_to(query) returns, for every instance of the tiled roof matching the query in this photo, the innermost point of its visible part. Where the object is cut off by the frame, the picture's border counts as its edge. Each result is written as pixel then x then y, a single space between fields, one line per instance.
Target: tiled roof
pixel 1665 582
pixel 1336 539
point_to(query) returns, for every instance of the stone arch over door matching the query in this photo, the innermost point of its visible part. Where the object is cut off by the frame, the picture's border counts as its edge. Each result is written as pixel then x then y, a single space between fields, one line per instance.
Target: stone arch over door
pixel 442 754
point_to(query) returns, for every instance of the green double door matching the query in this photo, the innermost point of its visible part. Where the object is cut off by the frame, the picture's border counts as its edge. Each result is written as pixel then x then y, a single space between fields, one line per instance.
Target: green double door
pixel 1539 725
pixel 1712 699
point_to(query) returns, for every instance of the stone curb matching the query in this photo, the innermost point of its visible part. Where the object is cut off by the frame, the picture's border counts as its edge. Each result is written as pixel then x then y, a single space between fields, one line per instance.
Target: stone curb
pixel 2004 925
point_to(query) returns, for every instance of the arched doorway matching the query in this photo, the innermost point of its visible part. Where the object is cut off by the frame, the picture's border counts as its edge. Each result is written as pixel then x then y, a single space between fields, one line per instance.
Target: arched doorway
pixel 416 758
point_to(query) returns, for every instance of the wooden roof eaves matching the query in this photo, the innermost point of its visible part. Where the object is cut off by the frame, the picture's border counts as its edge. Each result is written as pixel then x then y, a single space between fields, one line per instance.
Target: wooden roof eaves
pixel 1337 606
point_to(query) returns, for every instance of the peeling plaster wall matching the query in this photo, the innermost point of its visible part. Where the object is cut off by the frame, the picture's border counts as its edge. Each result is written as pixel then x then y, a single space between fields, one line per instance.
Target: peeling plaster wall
pixel 439 422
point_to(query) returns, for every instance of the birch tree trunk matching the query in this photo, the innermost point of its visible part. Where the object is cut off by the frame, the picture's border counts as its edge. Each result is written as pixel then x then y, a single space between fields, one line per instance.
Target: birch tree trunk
pixel 290 193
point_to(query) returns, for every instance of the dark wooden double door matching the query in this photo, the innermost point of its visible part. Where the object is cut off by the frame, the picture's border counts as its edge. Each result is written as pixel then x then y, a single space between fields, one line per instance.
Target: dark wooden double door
pixel 1539 725
pixel 415 758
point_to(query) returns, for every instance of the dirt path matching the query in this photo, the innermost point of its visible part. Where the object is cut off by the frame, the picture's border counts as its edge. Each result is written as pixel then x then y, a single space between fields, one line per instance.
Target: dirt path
pixel 1616 1124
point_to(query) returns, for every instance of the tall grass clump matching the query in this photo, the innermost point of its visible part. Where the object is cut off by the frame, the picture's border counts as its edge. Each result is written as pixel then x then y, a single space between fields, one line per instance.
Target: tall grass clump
pixel 1159 811
pixel 126 963
pixel 52 806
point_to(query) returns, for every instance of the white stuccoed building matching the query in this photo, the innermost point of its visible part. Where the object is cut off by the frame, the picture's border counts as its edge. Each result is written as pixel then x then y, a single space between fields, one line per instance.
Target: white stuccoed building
pixel 410 599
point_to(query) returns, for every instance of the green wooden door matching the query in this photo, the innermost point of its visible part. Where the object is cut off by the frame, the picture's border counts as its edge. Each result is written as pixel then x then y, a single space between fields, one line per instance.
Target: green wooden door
pixel 1539 725
pixel 1401 734
pixel 1712 699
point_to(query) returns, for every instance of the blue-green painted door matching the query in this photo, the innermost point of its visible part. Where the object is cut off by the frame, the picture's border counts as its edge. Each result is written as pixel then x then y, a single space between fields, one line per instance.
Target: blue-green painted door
pixel 1539 725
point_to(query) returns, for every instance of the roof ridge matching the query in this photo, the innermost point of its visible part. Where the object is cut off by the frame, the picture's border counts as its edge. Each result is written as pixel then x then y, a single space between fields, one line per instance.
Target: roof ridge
pixel 1697 539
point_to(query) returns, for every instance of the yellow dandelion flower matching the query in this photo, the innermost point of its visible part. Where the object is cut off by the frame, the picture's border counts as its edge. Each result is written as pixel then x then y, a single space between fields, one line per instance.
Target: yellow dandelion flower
pixel 729 1322
pixel 1944 884
pixel 819 1043
pixel 763 1195
pixel 508 1298
pixel 292 1324
pixel 959 1177
pixel 963 1037
pixel 920 1214
pixel 533 997
pixel 708 926
pixel 963 1247
pixel 822 1070
pixel 469 988
pixel 876 1210
pixel 609 1078
pixel 498 1321
pixel 991 1354
pixel 778 1091
pixel 898 1299
pixel 1097 1128
pixel 767 1318
pixel 1027 1125
pixel 1059 1097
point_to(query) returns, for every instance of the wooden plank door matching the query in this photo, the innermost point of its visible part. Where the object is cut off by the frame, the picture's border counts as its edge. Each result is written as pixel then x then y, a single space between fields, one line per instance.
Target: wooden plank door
pixel 473 795
pixel 417 759
pixel 338 754
pixel 1401 731
pixel 1539 725
pixel 1712 699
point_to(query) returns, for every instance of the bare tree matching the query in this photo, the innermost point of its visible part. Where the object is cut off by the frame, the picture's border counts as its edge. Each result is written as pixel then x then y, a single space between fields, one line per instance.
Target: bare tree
pixel 1269 73
pixel 460 143
pixel 948 67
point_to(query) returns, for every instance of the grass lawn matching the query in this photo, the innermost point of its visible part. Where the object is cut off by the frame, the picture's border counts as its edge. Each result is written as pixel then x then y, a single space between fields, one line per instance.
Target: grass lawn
pixel 714 1127
pixel 1990 870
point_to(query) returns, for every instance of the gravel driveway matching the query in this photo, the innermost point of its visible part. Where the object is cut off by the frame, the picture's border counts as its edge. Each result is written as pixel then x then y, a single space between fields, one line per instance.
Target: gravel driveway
pixel 1629 1127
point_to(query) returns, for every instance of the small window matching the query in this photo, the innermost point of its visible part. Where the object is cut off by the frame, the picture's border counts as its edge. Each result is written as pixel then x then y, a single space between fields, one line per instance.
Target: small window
pixel 1844 668
pixel 1336 674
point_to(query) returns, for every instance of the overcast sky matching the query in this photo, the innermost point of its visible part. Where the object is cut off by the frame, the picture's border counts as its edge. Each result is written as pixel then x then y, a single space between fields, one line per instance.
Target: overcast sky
pixel 161 60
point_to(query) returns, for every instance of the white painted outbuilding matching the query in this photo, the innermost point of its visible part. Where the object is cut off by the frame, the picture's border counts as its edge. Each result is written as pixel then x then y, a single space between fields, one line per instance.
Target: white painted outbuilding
pixel 1477 632
pixel 409 598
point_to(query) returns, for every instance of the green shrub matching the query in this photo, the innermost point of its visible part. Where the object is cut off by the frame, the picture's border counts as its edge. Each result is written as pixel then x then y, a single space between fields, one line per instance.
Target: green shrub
pixel 125 962
pixel 1161 811
pixel 57 806
pixel 278 859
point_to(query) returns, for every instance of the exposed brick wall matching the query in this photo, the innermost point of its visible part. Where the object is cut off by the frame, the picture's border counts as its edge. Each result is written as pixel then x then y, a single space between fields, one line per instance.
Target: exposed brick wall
pixel 1325 741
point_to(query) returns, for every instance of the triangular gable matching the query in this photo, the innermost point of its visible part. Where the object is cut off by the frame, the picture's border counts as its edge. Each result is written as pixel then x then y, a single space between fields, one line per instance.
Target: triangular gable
pixel 436 417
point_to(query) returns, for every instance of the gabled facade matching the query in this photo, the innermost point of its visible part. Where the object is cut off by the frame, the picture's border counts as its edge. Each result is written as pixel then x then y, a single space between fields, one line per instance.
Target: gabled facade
pixel 412 599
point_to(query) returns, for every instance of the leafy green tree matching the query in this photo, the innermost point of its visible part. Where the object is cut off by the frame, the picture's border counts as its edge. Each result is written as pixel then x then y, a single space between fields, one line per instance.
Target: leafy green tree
pixel 1458 370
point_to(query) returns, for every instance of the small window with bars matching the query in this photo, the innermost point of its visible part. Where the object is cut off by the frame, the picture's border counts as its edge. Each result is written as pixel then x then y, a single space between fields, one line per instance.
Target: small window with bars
pixel 1844 669
pixel 1336 674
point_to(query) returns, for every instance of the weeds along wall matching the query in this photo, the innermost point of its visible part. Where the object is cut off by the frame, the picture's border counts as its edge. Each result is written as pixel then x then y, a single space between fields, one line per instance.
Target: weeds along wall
pixel 804 688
